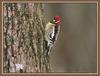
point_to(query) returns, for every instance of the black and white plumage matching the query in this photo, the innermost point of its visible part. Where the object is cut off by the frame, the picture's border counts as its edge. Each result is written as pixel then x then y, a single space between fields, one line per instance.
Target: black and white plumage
pixel 52 30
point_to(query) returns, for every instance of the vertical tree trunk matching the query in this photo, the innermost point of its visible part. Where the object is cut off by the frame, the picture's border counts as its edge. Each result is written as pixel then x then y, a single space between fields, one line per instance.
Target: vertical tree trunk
pixel 23 36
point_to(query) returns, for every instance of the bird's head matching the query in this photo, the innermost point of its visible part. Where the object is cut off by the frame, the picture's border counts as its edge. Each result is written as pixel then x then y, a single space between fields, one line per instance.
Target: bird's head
pixel 57 20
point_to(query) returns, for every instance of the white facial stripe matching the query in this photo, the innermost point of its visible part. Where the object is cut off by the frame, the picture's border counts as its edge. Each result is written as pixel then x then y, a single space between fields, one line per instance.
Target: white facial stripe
pixel 58 21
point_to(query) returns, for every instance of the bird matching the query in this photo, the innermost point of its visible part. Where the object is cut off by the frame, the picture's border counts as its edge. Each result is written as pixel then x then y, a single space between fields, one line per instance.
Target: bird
pixel 52 30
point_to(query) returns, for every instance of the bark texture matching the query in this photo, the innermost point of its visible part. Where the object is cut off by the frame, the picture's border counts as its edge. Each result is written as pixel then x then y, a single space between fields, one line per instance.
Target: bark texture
pixel 23 36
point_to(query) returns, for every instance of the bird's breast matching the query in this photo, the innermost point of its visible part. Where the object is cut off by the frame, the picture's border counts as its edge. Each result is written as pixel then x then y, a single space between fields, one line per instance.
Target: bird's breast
pixel 49 27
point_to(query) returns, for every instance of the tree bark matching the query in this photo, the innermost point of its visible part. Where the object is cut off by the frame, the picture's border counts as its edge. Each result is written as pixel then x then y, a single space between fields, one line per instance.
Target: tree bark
pixel 23 38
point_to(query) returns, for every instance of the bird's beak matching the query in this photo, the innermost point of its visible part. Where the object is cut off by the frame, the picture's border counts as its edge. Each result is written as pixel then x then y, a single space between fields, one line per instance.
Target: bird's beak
pixel 53 20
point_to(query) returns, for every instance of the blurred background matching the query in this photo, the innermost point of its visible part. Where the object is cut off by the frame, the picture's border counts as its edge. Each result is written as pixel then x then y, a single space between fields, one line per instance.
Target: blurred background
pixel 76 48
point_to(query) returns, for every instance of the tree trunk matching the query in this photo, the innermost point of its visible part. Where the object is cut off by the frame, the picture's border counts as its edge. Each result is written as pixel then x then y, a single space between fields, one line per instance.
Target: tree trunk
pixel 23 38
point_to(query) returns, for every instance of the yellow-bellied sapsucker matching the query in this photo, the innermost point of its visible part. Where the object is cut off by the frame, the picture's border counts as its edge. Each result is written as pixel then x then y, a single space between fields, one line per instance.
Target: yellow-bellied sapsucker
pixel 51 33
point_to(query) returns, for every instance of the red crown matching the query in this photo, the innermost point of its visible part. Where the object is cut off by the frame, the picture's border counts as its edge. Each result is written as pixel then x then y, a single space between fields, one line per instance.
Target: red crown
pixel 57 20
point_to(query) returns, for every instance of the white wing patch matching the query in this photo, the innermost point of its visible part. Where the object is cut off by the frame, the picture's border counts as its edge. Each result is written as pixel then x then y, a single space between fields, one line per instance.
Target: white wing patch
pixel 53 32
